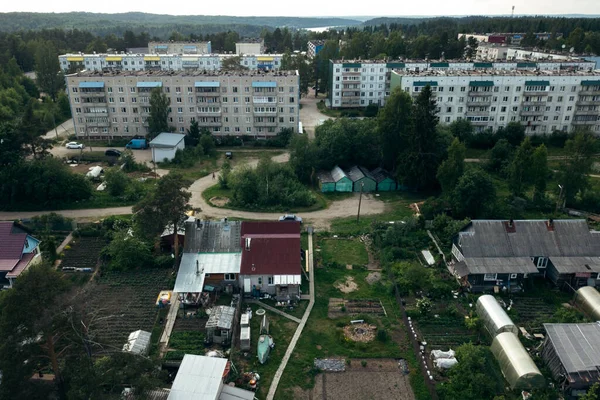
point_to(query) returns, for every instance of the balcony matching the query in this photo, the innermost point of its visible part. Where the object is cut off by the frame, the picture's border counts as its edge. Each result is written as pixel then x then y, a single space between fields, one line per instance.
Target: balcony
pixel 532 112
pixel 356 89
pixel 534 103
pixel 585 123
pixel 264 113
pixel 93 94
pixel 479 94
pixel 486 103
pixel 265 124
pixel 264 100
pixel 97 124
pixel 535 93
pixel 208 94
pixel 210 123
pixel 351 96
pixel 351 73
pixel 588 103
pixel 589 93
pixel 479 123
pixel 587 112
pixel 477 113
pixel 95 114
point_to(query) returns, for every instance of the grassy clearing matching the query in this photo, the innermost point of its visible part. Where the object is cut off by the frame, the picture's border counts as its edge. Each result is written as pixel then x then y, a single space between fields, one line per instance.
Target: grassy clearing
pixel 398 205
pixel 344 251
pixel 200 169
pixel 323 337
pixel 217 191
pixel 282 330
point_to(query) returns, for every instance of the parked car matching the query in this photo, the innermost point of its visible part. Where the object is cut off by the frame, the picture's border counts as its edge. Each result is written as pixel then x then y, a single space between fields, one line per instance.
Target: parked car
pixel 75 145
pixel 229 155
pixel 290 217
pixel 137 144
pixel 112 153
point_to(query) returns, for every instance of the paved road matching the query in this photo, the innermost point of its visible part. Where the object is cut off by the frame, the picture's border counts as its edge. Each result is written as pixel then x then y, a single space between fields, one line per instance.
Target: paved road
pixel 319 219
pixel 142 156
pixel 310 114
pixel 63 130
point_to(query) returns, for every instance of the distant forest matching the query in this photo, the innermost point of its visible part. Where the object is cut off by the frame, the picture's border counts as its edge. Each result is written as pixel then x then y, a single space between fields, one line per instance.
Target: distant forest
pixel 159 25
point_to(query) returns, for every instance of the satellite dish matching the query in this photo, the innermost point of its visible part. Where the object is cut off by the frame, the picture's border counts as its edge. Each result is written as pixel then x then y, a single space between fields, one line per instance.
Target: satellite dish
pixel 572 49
pixel 564 45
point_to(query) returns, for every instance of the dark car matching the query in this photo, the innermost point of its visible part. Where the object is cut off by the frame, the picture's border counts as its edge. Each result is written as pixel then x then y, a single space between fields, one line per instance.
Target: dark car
pixel 112 153
pixel 229 154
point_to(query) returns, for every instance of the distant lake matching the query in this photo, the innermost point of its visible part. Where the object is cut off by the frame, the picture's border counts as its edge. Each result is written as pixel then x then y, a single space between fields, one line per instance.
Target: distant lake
pixel 320 29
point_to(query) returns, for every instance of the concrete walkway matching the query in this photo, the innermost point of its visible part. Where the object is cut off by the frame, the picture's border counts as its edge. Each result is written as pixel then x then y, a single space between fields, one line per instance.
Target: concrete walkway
pixel 163 345
pixel 298 332
pixel 276 311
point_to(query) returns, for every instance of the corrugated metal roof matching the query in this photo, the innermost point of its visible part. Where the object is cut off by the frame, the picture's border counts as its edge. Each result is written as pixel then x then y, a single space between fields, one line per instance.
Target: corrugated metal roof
pixel 500 265
pixel 576 345
pixel 270 227
pixel 22 265
pixel 212 236
pixel 565 265
pixel 189 278
pixel 325 177
pixel 515 363
pixel 138 342
pixel 272 256
pixel 167 139
pixel 380 174
pixel 235 393
pixel 338 174
pixel 355 173
pixel 11 243
pixel 199 377
pixel 491 238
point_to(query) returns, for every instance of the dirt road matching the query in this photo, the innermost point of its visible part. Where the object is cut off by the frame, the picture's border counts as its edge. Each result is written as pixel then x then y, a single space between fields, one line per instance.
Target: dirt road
pixel 319 219
pixel 310 116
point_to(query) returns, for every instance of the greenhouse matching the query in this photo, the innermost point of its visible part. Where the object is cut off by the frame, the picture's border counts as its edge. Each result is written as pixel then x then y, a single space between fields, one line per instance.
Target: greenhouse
pixel 587 299
pixel 518 368
pixel 493 316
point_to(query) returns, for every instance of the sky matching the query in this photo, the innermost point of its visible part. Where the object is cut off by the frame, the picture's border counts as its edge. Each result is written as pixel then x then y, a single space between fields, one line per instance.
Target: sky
pixel 311 7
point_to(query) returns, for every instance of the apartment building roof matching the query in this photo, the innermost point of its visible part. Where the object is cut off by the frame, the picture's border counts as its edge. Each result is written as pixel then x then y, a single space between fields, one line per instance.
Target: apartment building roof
pixel 178 73
pixel 456 61
pixel 496 72
pixel 126 54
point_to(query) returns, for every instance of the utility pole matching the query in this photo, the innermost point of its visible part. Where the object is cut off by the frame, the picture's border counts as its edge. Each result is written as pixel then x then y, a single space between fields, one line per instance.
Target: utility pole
pixel 558 202
pixel 362 184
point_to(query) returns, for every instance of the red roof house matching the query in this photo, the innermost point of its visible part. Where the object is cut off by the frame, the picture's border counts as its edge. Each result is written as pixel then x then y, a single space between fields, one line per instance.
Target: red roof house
pixel 18 250
pixel 271 261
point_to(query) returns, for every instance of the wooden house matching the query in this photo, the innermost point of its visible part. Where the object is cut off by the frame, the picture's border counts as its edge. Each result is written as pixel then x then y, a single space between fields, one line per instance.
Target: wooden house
pixel 361 179
pixel 385 182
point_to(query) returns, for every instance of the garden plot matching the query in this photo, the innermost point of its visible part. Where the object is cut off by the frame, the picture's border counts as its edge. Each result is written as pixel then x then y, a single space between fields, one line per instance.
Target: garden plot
pixel 445 332
pixel 532 312
pixel 119 303
pixel 84 253
pixel 342 307
pixel 372 379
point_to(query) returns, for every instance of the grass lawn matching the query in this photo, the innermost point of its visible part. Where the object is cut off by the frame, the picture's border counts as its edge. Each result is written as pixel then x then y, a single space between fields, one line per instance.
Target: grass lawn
pixel 343 251
pixel 217 191
pixel 399 208
pixel 200 169
pixel 323 337
pixel 282 330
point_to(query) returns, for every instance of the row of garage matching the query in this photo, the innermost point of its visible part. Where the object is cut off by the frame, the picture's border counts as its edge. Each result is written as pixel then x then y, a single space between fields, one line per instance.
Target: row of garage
pixel 356 179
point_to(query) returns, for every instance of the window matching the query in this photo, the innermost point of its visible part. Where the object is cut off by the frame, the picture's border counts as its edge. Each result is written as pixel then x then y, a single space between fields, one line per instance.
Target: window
pixel 270 281
pixel 132 90
pixel 503 109
pixel 558 108
pixel 549 99
pixel 518 88
pixel 513 276
pixel 230 277
pixel 178 99
pixel 260 280
pixel 560 98
pixel 571 98
pixel 448 109
pixel 120 90
pixel 179 109
pixel 489 277
pixel 505 98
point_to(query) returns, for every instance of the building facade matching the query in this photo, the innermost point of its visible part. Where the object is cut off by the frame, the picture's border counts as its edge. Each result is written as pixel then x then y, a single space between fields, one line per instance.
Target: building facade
pixel 542 101
pixel 356 84
pixel 314 46
pixel 250 47
pixel 163 62
pixel 172 47
pixel 244 104
pixel 493 52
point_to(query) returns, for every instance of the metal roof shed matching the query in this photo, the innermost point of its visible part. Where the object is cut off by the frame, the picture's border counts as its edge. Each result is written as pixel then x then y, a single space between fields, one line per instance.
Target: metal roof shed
pixel 198 377
pixel 165 145
pixel 385 182
pixel 326 182
pixel 587 299
pixel 361 177
pixel 219 325
pixel 138 342
pixel 342 182
pixel 516 365
pixel 494 318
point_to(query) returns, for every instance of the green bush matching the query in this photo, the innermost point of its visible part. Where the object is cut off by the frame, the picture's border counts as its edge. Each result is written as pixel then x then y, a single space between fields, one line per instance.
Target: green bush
pixel 382 335
pixel 363 363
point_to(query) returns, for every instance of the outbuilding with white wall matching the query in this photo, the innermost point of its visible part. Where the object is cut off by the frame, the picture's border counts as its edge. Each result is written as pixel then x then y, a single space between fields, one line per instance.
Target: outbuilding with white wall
pixel 165 145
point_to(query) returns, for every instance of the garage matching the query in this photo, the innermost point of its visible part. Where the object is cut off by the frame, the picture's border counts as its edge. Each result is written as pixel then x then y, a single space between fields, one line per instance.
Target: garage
pixel 165 145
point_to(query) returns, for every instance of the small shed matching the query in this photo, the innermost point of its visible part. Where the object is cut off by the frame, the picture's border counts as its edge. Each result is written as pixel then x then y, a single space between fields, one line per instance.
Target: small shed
pixel 385 182
pixel 516 365
pixel 342 182
pixel 138 343
pixel 326 182
pixel 219 325
pixel 587 299
pixel 361 177
pixel 494 318
pixel 165 145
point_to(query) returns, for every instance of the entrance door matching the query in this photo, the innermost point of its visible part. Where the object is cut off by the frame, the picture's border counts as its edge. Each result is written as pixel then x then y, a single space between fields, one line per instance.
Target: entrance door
pixel 247 285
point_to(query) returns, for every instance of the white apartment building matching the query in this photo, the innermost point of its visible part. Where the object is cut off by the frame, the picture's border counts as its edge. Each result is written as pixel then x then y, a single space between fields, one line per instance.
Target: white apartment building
pixel 173 47
pixel 356 84
pixel 250 47
pixel 163 62
pixel 491 53
pixel 314 46
pixel 494 52
pixel 244 104
pixel 543 101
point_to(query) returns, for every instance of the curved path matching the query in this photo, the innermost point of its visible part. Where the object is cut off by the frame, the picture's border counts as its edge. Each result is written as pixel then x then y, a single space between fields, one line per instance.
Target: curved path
pixel 319 219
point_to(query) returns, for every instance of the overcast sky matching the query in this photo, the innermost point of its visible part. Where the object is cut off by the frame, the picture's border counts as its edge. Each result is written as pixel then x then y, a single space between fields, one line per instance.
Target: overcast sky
pixel 310 7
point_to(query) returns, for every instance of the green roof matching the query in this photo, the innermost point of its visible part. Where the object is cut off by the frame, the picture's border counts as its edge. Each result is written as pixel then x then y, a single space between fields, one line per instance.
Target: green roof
pixel 351 65
pixel 481 83
pixel 439 65
pixel 425 83
pixel 590 83
pixel 537 83
pixel 526 65
pixel 395 65
pixel 483 65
